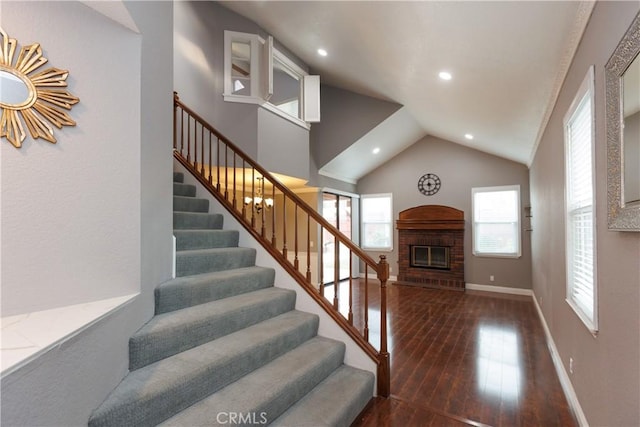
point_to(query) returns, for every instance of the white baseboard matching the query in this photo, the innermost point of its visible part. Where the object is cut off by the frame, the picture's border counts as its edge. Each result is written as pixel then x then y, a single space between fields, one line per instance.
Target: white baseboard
pixel 373 276
pixel 499 289
pixel 565 381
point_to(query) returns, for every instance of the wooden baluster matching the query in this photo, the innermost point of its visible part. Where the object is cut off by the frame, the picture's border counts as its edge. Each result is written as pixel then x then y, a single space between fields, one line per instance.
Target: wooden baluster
pixel 336 273
pixel 235 206
pixel 295 238
pixel 308 248
pixel 202 150
pixel 273 215
pixel 218 164
pixel 244 194
pixel 188 138
pixel 195 145
pixel 366 303
pixel 263 203
pixel 210 162
pixel 321 263
pixel 226 171
pixel 384 374
pixel 284 226
pixel 253 198
pixel 350 318
pixel 181 132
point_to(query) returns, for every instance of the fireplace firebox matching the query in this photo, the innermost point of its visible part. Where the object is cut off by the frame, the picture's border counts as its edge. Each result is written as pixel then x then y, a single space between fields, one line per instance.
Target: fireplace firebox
pixel 430 257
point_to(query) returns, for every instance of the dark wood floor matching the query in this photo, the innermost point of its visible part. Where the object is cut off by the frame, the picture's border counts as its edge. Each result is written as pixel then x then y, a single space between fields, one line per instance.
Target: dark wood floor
pixel 466 358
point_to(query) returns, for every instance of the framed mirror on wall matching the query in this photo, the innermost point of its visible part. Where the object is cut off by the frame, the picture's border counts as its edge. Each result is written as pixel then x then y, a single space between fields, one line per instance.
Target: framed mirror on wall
pixel 29 96
pixel 622 74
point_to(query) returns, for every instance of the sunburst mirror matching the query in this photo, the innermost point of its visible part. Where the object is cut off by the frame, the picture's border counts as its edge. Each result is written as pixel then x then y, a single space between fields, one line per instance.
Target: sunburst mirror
pixel 31 97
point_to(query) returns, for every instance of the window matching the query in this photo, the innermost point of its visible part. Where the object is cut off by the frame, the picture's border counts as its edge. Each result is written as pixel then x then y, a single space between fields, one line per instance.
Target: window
pixel 579 204
pixel 376 212
pixel 496 221
pixel 257 73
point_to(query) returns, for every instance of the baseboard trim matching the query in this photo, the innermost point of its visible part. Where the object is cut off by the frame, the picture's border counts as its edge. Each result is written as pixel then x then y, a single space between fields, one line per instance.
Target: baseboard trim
pixel 372 275
pixel 499 289
pixel 565 381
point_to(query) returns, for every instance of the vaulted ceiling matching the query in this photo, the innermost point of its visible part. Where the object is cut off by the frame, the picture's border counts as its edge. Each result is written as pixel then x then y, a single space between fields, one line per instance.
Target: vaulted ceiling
pixel 507 61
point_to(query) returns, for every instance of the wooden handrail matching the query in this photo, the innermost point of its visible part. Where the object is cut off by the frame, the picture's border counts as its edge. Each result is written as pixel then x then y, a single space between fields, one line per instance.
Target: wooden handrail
pixel 207 155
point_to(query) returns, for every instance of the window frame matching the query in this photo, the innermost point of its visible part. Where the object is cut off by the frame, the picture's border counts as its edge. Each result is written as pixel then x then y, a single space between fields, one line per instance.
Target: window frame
pixel 586 91
pixel 363 241
pixel 263 56
pixel 518 226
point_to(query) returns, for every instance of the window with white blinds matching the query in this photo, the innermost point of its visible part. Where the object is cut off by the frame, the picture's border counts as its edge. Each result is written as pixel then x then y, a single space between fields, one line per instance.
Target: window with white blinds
pixel 496 221
pixel 579 204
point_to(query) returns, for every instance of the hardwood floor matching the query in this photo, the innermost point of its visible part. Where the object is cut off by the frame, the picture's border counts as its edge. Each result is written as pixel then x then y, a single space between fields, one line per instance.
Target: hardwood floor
pixel 464 358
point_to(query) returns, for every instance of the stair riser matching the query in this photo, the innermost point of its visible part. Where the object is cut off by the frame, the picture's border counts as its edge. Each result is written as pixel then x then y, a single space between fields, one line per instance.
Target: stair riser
pixel 204 239
pixel 148 348
pixel 178 177
pixel 191 221
pixel 190 204
pixel 188 264
pixel 200 290
pixel 287 379
pixel 180 189
pixel 150 407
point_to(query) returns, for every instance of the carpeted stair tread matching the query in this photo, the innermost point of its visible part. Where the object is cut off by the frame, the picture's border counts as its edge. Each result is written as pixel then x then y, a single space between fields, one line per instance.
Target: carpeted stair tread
pixel 196 220
pixel 171 333
pixel 152 394
pixel 197 289
pixel 180 189
pixel 190 204
pixel 270 390
pixel 202 239
pixel 178 177
pixel 336 401
pixel 199 261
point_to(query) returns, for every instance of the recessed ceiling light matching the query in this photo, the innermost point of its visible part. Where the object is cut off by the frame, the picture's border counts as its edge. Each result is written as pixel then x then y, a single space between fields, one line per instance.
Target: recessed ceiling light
pixel 444 75
pixel 376 150
pixel 468 136
pixel 322 52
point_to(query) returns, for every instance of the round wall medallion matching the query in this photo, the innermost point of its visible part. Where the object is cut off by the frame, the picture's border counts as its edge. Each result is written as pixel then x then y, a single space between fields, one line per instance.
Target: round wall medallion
pixel 429 184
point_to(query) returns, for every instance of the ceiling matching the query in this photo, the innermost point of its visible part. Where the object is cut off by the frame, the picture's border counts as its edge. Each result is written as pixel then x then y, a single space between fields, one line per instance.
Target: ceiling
pixel 508 61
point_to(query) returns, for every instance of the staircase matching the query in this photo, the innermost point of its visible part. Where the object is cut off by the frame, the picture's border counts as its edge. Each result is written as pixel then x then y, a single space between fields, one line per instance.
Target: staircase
pixel 226 347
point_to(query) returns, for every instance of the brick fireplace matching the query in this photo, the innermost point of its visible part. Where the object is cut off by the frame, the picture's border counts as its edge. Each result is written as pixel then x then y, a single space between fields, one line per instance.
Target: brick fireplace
pixel 431 247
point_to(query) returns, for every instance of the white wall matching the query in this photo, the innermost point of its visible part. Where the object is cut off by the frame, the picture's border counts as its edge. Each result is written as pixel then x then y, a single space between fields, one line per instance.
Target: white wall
pixel 97 203
pixel 606 369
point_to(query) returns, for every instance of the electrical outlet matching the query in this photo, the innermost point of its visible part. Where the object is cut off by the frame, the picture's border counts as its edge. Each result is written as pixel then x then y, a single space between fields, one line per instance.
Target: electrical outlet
pixel 390 269
pixel 310 243
pixel 571 365
pixel 491 278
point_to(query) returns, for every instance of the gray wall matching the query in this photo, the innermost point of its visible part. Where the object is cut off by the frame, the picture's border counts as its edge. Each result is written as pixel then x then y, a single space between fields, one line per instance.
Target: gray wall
pixel 346 117
pixel 606 375
pixel 460 169
pixel 62 387
pixel 199 80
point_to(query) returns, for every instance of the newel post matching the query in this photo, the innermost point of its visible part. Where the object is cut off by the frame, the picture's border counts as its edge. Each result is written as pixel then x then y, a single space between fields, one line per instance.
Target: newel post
pixel 175 119
pixel 384 372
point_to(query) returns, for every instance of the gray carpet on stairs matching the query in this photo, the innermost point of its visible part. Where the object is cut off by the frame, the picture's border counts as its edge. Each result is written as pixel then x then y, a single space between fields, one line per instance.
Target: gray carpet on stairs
pixel 226 341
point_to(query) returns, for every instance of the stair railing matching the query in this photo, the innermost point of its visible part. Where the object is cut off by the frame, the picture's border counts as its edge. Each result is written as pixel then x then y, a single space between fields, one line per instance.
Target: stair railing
pixel 293 232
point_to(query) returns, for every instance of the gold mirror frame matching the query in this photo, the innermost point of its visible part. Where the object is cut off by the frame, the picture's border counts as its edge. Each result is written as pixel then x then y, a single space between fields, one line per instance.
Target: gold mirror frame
pixel 621 216
pixel 43 104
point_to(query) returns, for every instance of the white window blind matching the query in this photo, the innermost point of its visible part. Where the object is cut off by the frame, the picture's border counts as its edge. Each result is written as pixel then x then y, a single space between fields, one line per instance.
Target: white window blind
pixel 581 289
pixel 496 221
pixel 376 214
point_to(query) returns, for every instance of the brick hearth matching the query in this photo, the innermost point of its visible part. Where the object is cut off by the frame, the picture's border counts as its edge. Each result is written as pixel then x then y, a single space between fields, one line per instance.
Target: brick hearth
pixel 431 225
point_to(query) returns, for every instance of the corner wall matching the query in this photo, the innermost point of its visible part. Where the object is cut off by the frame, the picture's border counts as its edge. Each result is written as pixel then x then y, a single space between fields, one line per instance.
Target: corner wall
pixel 606 371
